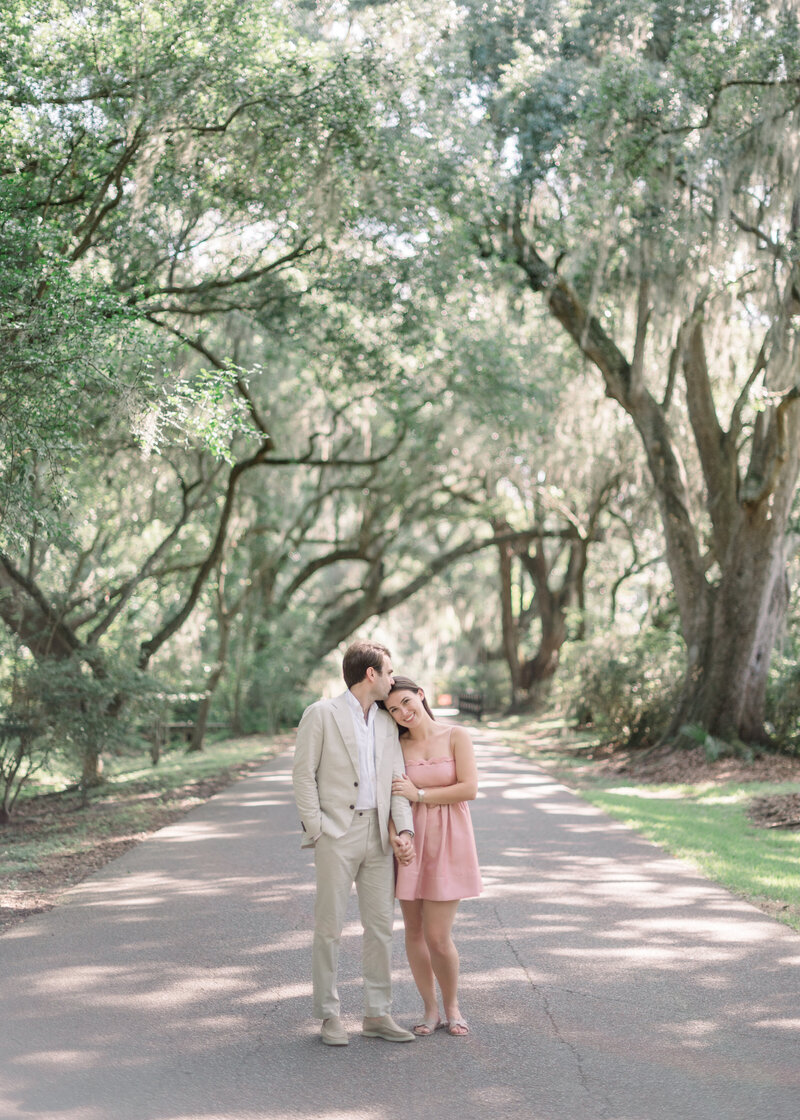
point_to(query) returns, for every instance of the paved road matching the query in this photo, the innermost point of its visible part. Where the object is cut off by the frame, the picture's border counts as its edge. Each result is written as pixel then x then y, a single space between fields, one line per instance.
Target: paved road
pixel 602 979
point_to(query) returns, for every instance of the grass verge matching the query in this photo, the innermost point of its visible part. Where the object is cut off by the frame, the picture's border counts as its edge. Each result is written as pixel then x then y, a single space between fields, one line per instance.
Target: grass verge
pixel 703 821
pixel 710 828
pixel 54 840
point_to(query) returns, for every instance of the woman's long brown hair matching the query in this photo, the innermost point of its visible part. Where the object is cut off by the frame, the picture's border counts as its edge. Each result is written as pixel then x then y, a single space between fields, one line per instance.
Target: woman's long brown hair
pixel 405 684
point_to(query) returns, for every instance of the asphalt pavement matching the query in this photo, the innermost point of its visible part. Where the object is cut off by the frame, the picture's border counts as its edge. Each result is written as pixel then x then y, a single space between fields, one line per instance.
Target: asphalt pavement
pixel 602 980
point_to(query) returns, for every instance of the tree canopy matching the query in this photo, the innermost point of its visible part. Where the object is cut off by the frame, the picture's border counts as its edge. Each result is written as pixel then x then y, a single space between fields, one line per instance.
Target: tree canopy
pixel 314 312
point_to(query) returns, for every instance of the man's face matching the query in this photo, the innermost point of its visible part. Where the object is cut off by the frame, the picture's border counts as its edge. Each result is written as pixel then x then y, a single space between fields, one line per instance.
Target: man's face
pixel 382 681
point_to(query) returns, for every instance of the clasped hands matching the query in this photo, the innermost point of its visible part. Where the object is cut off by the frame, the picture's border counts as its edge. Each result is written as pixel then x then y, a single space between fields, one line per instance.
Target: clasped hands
pixel 403 846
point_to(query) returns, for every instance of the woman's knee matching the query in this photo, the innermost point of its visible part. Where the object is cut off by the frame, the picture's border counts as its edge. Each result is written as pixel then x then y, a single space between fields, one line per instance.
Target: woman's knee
pixel 414 934
pixel 440 942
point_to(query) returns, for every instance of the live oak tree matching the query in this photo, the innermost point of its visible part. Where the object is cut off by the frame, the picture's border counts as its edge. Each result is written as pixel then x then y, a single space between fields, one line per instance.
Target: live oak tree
pixel 163 167
pixel 652 197
pixel 200 198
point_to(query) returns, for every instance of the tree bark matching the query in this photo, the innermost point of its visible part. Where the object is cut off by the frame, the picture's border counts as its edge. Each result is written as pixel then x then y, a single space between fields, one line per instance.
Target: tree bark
pixel 225 618
pixel 510 630
pixel 725 686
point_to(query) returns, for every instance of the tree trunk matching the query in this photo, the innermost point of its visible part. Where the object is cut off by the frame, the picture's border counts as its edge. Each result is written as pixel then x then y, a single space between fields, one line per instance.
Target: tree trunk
pixel 510 630
pixel 532 678
pixel 725 687
pixel 200 724
pixel 91 770
pixel 225 617
pixel 539 670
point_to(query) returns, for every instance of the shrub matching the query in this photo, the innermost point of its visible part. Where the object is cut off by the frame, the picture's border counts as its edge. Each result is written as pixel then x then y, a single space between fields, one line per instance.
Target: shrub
pixel 783 703
pixel 23 751
pixel 22 756
pixel 624 688
pixel 66 709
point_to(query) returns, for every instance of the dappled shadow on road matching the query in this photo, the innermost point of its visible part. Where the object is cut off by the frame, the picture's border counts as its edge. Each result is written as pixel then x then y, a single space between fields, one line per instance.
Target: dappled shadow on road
pixel 601 979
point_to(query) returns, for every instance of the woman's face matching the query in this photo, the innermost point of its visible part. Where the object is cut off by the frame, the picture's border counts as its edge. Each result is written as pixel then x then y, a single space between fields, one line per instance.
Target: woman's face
pixel 405 706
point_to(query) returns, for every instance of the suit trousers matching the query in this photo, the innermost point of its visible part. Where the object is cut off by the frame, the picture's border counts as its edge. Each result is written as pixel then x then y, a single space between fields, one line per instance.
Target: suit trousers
pixel 356 857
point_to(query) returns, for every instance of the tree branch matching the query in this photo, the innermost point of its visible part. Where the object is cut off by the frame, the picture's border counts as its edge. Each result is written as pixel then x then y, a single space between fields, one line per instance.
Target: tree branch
pixel 222 284
pixel 149 648
pixel 26 613
pixel 87 228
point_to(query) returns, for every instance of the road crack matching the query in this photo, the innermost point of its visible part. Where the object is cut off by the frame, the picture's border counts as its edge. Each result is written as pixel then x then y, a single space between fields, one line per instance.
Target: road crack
pixel 583 1078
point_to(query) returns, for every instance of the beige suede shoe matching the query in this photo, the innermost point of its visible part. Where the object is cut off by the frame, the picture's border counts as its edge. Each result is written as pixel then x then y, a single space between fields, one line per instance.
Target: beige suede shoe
pixel 384 1026
pixel 333 1033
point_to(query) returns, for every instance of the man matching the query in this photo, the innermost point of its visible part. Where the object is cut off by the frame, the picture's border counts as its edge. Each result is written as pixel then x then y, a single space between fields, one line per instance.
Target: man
pixel 347 750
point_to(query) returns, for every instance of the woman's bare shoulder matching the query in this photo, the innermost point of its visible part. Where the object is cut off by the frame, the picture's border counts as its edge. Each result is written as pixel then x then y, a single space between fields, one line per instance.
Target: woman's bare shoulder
pixel 458 735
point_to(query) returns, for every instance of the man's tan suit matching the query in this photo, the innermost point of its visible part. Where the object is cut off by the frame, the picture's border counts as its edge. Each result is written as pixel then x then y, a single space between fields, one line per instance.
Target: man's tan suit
pixel 349 845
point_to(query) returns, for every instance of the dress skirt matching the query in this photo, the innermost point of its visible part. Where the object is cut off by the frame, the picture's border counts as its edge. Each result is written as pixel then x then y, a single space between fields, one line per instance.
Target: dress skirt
pixel 446 863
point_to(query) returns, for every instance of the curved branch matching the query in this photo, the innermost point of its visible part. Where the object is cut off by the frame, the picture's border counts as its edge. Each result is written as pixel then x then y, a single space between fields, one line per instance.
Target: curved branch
pixel 221 284
pixel 26 612
pixel 97 213
pixel 152 645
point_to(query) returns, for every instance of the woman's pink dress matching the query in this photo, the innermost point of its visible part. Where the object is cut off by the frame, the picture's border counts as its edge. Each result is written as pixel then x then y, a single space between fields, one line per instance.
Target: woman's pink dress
pixel 446 863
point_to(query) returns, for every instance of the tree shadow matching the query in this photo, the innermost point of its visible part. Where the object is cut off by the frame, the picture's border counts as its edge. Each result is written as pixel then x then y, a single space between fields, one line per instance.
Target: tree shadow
pixel 600 979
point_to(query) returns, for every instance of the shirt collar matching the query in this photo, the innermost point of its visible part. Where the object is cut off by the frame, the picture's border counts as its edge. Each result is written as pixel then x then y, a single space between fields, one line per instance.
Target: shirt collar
pixel 355 705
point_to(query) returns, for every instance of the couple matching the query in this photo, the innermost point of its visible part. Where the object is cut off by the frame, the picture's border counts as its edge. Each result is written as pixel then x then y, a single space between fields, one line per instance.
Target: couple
pixel 363 798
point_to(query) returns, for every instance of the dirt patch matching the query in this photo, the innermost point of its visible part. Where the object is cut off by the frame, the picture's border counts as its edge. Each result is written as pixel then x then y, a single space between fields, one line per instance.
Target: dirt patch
pixel 37 891
pixel 691 767
pixel 688 767
pixel 775 812
pixel 92 836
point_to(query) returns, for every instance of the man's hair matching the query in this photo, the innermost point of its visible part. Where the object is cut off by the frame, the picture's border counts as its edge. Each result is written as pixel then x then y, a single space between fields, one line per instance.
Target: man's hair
pixel 361 656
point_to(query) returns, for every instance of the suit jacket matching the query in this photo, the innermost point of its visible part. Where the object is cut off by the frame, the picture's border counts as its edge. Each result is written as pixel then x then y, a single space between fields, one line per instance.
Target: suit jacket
pixel 325 773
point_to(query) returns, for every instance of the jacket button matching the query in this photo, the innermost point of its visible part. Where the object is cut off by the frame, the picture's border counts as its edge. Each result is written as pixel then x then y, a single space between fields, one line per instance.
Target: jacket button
pixel 352 806
pixel 355 783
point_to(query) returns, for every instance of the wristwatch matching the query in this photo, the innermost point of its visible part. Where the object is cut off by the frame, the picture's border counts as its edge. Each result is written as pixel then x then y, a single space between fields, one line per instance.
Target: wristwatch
pixel 421 793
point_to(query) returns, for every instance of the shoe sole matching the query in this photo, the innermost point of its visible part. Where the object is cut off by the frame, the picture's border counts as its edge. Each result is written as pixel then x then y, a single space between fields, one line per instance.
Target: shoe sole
pixel 387 1037
pixel 336 1041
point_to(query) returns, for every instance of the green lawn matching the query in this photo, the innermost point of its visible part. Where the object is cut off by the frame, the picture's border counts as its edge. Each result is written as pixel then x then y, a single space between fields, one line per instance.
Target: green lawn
pixel 709 827
pixel 706 823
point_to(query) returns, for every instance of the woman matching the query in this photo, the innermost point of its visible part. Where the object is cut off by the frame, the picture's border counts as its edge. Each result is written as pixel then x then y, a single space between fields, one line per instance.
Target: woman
pixel 441 777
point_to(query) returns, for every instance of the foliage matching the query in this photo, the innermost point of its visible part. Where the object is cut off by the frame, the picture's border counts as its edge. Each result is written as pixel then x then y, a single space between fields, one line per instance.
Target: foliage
pixel 625 688
pixel 274 367
pixel 783 703
pixel 60 347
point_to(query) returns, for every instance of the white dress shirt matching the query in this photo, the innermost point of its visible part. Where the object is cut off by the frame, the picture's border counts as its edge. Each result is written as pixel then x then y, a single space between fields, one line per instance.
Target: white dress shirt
pixel 365 738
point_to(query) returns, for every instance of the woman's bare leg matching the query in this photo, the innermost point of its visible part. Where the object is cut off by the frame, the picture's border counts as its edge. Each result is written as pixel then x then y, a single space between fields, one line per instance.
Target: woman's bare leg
pixel 419 959
pixel 437 925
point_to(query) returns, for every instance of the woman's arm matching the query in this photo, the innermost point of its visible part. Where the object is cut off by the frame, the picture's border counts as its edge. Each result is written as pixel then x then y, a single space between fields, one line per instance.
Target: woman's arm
pixel 465 787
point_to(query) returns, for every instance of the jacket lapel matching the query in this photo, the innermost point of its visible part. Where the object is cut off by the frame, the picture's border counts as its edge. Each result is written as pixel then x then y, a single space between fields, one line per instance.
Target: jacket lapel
pixel 344 721
pixel 384 738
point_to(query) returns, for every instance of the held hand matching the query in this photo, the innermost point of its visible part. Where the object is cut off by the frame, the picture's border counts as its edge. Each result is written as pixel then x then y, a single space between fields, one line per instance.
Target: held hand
pixel 403 848
pixel 403 785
